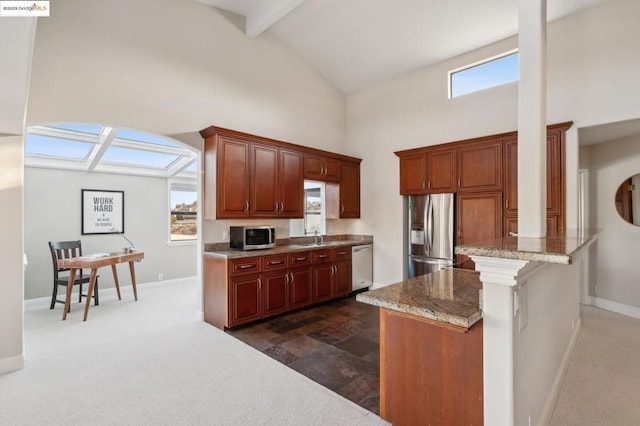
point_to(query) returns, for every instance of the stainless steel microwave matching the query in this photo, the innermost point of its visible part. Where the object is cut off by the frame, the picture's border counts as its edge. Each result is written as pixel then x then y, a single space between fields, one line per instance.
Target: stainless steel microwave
pixel 252 237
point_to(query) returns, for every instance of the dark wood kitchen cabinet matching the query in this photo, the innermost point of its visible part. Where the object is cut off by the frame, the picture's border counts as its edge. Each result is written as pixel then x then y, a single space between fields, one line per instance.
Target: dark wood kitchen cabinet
pixel 320 168
pixel 350 190
pixel 277 185
pixel 485 166
pixel 428 172
pixel 248 176
pixel 242 290
pixel 480 166
pixel 479 218
pixel 331 273
pixel 555 180
pixel 227 157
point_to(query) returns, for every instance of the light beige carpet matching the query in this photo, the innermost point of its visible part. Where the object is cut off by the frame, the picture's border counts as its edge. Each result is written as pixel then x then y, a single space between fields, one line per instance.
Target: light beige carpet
pixel 602 382
pixel 152 362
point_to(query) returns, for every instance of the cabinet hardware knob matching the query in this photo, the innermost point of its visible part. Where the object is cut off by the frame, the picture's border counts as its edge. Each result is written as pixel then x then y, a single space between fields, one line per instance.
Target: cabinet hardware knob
pixel 322 256
pixel 300 259
pixel 458 183
pixel 423 185
pixel 281 206
pixel 341 208
pixel 286 279
pixel 259 284
pixel 246 266
pixel 292 278
pixel 246 206
pixel 429 184
pixel 275 208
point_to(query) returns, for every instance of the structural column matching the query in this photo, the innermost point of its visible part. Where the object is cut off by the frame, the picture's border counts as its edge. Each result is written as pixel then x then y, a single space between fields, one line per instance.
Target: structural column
pixel 500 318
pixel 532 118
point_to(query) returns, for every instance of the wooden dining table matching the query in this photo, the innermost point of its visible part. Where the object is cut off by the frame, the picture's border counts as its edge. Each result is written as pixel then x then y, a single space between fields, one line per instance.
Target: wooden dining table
pixel 94 262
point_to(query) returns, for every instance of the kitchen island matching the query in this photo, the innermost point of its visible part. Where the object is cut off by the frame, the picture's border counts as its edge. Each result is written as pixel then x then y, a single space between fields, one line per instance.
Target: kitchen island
pixel 531 318
pixel 431 348
pixel 527 292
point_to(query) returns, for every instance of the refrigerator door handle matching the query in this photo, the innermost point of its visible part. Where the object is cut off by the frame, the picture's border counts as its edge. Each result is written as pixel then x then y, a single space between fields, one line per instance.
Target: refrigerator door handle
pixel 428 222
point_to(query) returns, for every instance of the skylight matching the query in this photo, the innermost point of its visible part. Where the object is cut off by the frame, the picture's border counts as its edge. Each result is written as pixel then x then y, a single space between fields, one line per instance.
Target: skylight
pixel 483 75
pixel 107 149
pixel 57 147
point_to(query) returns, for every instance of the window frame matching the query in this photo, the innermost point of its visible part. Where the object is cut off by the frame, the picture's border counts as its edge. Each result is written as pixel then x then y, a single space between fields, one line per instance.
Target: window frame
pixel 182 185
pixel 494 58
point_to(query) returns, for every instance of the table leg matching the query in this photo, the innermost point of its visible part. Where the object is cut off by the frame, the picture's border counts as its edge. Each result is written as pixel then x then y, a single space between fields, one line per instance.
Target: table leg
pixel 67 299
pixel 133 280
pixel 92 283
pixel 115 278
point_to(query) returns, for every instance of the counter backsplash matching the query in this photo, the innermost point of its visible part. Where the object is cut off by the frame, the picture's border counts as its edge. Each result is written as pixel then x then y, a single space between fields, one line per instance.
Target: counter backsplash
pixel 297 240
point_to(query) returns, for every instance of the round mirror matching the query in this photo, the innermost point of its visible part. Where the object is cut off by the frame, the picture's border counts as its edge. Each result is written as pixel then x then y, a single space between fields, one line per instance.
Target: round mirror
pixel 628 200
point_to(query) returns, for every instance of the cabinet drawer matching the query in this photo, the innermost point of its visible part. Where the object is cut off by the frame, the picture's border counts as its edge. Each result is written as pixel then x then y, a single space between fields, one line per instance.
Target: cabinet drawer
pixel 341 253
pixel 322 255
pixel 300 258
pixel 245 265
pixel 276 261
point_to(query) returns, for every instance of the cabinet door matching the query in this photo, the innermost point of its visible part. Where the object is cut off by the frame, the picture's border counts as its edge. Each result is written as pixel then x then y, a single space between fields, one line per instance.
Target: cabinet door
pixel 321 168
pixel 264 180
pixel 275 293
pixel 441 171
pixel 245 299
pixel 479 218
pixel 480 166
pixel 342 277
pixel 322 282
pixel 350 190
pixel 291 185
pixel 413 174
pixel 511 225
pixel 511 175
pixel 232 198
pixel 300 287
pixel 555 179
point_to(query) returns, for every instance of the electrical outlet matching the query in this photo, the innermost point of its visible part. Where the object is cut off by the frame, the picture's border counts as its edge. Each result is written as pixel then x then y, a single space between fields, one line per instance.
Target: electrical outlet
pixel 160 276
pixel 225 235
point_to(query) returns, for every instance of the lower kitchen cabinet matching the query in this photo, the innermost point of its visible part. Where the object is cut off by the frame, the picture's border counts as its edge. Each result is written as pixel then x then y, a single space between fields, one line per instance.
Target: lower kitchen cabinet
pixel 243 290
pixel 245 299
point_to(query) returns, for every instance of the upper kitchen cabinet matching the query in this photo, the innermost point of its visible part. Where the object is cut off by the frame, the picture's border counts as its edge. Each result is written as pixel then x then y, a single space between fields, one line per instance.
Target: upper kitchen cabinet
pixel 227 162
pixel 277 185
pixel 480 166
pixel 555 179
pixel 413 173
pixel 249 176
pixel 321 168
pixel 428 172
pixel 350 190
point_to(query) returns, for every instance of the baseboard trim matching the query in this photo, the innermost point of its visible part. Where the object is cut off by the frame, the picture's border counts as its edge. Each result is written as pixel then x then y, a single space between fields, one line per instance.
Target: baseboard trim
pixel 619 308
pixel 547 410
pixel 11 364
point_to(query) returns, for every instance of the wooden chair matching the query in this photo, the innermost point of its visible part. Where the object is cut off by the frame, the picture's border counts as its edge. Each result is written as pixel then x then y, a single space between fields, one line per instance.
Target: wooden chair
pixel 65 250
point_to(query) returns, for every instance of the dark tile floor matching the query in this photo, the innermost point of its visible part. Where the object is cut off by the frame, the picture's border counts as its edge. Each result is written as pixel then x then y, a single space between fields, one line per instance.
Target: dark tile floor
pixel 335 344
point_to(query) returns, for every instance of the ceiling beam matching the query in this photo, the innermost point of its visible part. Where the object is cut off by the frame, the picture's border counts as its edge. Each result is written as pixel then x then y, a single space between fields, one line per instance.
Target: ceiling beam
pixel 268 13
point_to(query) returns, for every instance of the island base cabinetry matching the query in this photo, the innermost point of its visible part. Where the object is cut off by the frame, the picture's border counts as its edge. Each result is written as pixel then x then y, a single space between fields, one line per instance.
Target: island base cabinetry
pixel 430 372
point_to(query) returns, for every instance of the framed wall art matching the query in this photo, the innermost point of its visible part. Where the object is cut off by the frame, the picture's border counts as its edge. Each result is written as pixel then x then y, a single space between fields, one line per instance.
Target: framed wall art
pixel 102 212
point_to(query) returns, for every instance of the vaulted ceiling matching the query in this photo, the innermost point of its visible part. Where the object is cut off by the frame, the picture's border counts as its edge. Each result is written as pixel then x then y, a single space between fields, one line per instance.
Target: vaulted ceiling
pixel 357 43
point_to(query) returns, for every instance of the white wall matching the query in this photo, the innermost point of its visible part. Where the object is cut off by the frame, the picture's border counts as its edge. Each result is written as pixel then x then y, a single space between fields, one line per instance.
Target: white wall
pixel 617 247
pixel 52 212
pixel 592 70
pixel 176 67
pixel 172 68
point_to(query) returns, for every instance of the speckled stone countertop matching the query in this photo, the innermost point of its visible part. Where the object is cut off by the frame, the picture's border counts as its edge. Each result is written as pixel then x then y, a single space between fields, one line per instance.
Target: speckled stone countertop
pixel 450 296
pixel 287 245
pixel 556 249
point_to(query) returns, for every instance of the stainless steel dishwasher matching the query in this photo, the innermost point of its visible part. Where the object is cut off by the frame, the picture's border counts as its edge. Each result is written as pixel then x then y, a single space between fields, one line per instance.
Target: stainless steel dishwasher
pixel 361 266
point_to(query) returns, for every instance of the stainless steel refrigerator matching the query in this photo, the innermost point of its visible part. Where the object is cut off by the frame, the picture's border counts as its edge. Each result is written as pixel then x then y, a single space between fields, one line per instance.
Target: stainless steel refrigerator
pixel 429 233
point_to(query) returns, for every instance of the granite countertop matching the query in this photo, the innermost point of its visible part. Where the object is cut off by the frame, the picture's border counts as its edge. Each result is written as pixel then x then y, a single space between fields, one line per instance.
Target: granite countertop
pixel 450 296
pixel 287 245
pixel 555 249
